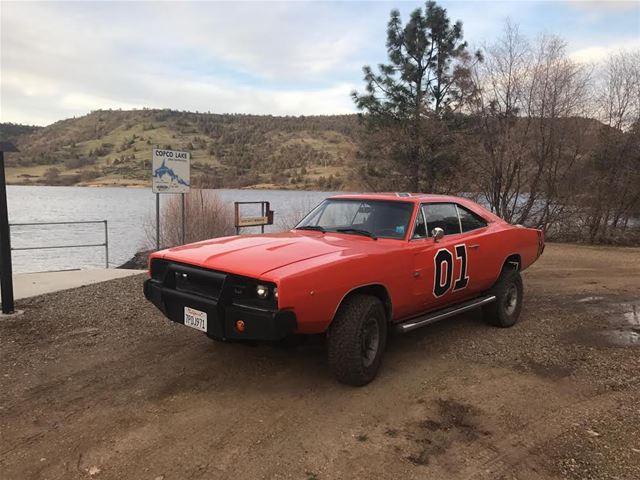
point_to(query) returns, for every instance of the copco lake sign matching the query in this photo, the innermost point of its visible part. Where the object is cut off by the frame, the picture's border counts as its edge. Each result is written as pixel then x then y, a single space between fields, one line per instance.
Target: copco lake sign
pixel 170 171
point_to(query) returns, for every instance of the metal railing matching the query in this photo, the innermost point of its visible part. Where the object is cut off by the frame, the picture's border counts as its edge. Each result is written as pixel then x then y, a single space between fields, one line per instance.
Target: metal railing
pixel 105 244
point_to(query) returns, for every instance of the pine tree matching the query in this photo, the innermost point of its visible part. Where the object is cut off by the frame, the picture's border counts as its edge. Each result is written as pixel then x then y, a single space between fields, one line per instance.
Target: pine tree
pixel 408 103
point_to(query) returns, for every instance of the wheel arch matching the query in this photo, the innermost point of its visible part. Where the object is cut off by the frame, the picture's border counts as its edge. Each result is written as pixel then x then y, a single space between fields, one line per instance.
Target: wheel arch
pixel 374 289
pixel 513 261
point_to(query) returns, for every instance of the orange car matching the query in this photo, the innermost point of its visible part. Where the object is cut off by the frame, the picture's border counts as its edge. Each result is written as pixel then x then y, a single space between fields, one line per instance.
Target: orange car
pixel 355 267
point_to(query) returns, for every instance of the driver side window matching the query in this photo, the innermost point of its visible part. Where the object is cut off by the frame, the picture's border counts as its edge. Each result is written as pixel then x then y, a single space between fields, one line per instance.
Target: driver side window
pixel 442 215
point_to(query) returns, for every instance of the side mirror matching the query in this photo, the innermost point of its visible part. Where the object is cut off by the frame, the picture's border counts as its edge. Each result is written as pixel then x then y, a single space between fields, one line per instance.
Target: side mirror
pixel 437 234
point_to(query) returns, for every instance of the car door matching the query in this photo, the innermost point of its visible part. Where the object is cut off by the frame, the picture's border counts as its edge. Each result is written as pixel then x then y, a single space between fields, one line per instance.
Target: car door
pixel 478 249
pixel 440 267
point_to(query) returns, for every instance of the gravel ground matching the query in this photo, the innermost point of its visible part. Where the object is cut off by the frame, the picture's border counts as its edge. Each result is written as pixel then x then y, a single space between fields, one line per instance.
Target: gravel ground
pixel 97 384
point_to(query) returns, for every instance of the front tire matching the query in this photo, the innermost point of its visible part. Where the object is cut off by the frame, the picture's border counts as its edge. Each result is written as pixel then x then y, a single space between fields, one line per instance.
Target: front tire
pixel 505 311
pixel 357 339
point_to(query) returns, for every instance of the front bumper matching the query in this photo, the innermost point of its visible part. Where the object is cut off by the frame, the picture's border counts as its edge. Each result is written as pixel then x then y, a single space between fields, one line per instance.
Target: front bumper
pixel 222 313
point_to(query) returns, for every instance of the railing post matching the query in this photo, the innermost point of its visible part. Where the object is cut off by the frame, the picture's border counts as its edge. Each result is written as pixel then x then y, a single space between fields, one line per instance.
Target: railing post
pixel 106 244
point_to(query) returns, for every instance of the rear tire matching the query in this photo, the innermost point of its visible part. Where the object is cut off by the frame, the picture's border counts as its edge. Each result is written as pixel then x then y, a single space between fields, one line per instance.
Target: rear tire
pixel 357 339
pixel 505 311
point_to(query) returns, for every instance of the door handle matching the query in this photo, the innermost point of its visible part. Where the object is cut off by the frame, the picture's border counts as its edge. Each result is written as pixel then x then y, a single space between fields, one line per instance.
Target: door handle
pixel 474 246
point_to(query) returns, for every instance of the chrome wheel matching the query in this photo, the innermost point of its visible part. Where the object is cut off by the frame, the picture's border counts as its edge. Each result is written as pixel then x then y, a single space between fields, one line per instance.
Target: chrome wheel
pixel 370 341
pixel 511 300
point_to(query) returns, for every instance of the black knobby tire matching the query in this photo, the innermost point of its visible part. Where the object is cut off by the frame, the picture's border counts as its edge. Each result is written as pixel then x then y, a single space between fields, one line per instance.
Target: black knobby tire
pixel 354 355
pixel 504 312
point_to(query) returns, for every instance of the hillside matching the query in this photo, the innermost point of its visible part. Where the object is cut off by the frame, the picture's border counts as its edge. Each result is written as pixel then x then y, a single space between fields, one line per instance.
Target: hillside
pixel 11 132
pixel 114 148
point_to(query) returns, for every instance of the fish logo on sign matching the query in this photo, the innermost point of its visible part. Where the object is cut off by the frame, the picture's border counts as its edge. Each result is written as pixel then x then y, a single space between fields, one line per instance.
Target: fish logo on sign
pixel 163 170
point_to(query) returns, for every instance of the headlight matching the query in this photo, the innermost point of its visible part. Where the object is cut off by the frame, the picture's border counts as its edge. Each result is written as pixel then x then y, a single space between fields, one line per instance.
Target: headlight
pixel 275 293
pixel 262 291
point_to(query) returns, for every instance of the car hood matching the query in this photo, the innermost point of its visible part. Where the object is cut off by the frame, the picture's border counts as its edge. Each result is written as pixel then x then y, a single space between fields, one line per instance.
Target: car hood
pixel 255 255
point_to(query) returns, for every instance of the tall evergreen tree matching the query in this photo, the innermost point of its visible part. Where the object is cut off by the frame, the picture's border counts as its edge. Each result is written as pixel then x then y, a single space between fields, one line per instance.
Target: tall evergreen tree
pixel 414 96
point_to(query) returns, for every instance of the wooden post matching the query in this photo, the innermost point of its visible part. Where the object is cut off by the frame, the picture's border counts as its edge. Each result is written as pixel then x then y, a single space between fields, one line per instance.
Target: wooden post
pixel 6 270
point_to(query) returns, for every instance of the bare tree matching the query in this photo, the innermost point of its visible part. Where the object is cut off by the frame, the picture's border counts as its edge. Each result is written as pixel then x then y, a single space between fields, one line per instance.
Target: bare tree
pixel 530 104
pixel 614 183
pixel 559 96
pixel 502 94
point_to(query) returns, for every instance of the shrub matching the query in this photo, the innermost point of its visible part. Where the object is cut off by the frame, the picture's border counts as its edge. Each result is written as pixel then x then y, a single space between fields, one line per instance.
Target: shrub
pixel 89 175
pixel 206 216
pixel 73 163
pixel 52 174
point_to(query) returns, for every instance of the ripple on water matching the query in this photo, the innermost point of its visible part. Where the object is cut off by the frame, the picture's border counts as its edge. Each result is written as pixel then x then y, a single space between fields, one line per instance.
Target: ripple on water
pixel 619 324
pixel 625 329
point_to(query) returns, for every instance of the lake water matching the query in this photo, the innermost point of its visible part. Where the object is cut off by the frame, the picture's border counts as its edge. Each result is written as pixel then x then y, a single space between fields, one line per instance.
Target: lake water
pixel 127 210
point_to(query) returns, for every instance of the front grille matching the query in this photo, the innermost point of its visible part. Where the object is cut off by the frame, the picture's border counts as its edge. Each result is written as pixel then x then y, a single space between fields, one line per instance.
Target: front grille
pixel 200 282
pixel 196 286
pixel 211 285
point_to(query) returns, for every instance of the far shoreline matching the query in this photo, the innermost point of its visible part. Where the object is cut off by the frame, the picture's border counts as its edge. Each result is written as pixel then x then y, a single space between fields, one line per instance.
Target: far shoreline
pixel 140 187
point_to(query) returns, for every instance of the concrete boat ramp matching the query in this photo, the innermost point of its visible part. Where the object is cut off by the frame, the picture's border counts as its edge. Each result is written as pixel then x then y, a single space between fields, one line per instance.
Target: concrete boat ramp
pixel 32 284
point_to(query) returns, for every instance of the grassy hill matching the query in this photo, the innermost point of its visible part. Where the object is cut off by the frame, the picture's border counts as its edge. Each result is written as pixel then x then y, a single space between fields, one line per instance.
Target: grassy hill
pixel 114 148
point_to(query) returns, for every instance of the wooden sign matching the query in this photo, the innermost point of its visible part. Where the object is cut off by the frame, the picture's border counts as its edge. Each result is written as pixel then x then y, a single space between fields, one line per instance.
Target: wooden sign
pixel 265 217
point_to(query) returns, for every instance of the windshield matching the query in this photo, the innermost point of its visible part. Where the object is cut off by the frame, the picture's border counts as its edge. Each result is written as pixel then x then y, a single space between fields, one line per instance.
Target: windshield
pixel 374 218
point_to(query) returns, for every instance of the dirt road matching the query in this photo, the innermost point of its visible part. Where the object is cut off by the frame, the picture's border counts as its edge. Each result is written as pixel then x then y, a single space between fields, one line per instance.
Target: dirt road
pixel 95 383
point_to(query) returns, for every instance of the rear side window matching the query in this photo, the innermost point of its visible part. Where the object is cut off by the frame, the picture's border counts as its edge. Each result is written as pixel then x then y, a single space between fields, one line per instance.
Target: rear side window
pixel 442 215
pixel 469 220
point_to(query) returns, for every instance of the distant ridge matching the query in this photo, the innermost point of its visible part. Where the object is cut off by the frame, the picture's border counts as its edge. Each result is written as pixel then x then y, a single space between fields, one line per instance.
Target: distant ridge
pixel 113 147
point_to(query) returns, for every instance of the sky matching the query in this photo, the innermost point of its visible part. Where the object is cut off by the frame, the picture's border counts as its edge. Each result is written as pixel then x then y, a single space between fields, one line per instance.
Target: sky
pixel 65 59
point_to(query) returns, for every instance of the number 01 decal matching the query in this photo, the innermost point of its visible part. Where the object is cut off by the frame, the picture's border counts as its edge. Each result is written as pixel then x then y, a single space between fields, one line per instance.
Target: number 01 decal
pixel 443 270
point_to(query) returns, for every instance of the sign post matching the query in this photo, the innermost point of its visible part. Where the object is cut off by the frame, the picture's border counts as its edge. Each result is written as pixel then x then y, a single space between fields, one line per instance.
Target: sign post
pixel 157 221
pixel 6 270
pixel 184 223
pixel 170 173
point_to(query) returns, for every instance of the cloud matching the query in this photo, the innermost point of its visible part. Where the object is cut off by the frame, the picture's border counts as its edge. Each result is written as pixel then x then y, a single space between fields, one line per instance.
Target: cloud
pixel 271 40
pixel 284 58
pixel 60 60
pixel 600 53
pixel 616 5
pixel 41 102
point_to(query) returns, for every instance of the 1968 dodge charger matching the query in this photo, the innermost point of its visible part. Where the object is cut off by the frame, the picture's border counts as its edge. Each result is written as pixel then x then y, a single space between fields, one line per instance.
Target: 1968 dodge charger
pixel 356 267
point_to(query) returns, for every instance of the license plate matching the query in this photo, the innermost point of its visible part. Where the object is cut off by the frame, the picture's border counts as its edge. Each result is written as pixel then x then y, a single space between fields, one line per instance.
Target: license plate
pixel 195 319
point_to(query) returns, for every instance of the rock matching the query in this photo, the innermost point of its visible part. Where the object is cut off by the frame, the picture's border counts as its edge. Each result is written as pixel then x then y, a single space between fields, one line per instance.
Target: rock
pixel 94 471
pixel 593 433
pixel 138 261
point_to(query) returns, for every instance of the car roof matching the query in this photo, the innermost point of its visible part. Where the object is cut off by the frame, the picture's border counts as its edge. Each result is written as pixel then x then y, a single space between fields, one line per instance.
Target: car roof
pixel 401 197
pixel 423 198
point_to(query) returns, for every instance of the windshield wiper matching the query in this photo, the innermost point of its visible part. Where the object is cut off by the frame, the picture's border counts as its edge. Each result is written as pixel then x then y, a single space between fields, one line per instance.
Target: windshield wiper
pixel 316 228
pixel 357 231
